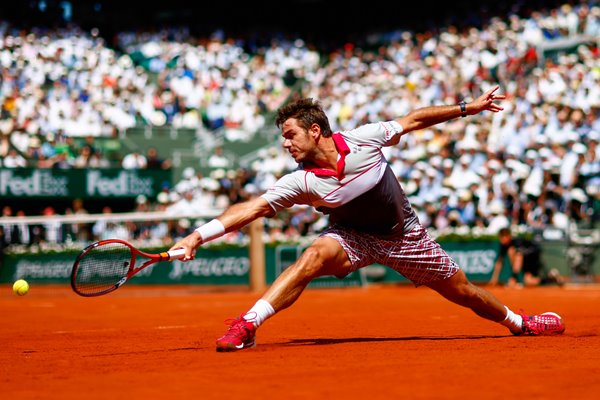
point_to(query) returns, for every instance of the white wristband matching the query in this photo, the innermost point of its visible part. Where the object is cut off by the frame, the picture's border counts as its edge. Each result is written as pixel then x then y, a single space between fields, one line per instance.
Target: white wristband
pixel 211 230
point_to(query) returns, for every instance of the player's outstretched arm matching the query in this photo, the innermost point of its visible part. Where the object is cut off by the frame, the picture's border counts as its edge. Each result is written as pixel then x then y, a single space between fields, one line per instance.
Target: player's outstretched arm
pixel 234 218
pixel 241 214
pixel 427 116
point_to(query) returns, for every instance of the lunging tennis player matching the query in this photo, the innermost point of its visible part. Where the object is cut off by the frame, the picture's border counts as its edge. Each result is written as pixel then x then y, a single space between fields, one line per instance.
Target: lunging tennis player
pixel 346 176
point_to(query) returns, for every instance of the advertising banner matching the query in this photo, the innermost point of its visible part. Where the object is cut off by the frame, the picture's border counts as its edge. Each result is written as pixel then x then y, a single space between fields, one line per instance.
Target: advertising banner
pixel 81 183
pixel 231 266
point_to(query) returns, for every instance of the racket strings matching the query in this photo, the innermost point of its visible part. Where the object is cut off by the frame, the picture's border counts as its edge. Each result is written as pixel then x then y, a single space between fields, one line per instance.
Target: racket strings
pixel 103 268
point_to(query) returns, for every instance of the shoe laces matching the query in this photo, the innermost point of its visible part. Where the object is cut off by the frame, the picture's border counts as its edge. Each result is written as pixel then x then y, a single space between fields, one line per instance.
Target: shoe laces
pixel 238 326
pixel 531 325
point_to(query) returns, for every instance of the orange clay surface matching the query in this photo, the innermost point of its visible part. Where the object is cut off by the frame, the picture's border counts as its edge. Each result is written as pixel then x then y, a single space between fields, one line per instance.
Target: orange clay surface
pixel 377 342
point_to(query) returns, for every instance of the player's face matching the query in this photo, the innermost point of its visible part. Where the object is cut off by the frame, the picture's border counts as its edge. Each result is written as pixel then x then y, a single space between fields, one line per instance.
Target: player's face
pixel 297 140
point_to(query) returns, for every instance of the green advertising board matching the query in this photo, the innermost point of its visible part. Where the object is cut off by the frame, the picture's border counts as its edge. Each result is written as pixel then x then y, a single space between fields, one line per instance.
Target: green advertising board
pixel 476 258
pixel 210 267
pixel 81 183
pixel 231 266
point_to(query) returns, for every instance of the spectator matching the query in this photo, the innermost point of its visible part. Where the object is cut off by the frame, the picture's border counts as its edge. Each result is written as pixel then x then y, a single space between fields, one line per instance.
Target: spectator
pixel 153 161
pixel 524 258
pixel 498 218
pixel 100 227
pixel 81 232
pixel 23 233
pixel 98 160
pixel 8 230
pixel 218 160
pixel 84 158
pixel 52 229
pixel 68 148
pixel 134 160
pixel 14 160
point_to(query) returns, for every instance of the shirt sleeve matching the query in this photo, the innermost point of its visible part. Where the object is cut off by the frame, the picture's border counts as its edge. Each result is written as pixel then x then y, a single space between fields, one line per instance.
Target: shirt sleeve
pixel 377 134
pixel 287 191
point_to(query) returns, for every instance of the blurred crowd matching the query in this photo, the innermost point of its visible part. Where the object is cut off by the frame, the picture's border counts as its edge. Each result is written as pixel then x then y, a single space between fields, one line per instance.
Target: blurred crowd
pixel 534 165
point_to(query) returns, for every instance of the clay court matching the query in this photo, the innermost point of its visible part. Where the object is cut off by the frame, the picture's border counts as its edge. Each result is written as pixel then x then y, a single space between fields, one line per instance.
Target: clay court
pixel 393 341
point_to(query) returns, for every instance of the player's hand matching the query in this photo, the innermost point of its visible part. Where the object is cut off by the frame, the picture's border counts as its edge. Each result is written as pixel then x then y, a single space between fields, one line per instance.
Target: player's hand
pixel 487 101
pixel 190 243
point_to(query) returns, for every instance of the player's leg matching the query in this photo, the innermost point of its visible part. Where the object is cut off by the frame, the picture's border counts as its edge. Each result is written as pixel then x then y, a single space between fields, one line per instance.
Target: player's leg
pixel 422 260
pixel 324 257
pixel 459 290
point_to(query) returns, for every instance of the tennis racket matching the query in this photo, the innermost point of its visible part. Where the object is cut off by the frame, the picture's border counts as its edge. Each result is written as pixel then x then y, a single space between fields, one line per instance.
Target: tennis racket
pixel 105 266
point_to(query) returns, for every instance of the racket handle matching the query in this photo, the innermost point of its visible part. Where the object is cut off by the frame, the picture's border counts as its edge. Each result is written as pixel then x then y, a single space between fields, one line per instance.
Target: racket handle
pixel 176 254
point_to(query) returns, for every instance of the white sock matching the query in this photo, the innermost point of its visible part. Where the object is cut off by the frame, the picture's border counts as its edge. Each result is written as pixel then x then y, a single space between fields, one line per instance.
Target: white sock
pixel 260 312
pixel 512 321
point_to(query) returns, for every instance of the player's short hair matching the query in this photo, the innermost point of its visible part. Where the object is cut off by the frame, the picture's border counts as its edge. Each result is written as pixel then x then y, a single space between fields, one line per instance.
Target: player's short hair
pixel 307 111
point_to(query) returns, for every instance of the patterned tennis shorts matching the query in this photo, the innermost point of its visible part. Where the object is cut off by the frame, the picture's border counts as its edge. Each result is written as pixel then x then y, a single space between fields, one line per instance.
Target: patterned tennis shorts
pixel 416 255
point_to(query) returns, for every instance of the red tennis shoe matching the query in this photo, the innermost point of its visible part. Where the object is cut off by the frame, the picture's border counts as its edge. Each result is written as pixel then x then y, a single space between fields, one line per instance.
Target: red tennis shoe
pixel 240 335
pixel 545 324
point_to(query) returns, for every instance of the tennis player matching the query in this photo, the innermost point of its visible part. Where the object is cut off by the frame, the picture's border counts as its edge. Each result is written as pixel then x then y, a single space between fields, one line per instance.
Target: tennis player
pixel 346 176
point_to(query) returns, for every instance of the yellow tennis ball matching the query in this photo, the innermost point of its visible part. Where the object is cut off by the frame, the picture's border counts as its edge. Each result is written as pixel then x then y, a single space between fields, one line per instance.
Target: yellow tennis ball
pixel 21 287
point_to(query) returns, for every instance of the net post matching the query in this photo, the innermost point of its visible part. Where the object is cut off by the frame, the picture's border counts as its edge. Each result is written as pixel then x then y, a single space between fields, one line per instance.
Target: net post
pixel 257 256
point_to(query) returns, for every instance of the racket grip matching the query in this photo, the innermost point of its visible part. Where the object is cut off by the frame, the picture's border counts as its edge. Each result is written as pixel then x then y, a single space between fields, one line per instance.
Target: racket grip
pixel 176 254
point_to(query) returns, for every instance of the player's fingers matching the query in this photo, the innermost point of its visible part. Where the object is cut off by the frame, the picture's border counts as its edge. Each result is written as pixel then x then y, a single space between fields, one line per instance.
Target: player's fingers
pixel 176 246
pixel 190 253
pixel 490 92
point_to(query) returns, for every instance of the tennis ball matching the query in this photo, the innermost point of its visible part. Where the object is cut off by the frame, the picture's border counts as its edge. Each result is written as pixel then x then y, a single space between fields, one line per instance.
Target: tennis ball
pixel 21 287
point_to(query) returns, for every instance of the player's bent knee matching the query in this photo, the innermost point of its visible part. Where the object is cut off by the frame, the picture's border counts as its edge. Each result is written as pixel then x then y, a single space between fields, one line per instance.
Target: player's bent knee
pixel 322 259
pixel 311 262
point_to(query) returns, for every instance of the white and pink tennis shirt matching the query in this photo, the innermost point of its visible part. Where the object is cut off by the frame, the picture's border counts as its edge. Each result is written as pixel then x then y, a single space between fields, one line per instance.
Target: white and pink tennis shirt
pixel 364 194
